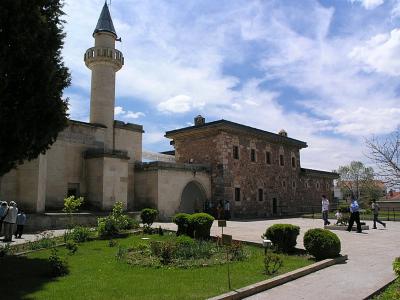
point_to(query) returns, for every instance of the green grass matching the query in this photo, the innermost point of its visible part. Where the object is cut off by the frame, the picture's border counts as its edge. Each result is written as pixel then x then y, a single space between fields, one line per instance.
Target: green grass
pixel 392 292
pixel 95 273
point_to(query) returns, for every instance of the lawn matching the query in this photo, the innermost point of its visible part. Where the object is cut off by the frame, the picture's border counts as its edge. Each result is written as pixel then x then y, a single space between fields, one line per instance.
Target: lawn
pixel 392 292
pixel 96 273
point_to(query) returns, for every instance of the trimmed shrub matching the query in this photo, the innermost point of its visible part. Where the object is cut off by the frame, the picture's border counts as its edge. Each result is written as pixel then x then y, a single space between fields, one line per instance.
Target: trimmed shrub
pixel 322 243
pixel 183 222
pixel 148 216
pixel 201 223
pixel 283 236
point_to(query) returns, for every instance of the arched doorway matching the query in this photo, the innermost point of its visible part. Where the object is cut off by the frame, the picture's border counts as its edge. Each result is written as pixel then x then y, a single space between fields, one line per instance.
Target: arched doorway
pixel 193 198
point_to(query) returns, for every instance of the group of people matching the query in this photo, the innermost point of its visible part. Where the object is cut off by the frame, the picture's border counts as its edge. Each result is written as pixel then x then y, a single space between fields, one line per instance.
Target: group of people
pixel 12 221
pixel 354 209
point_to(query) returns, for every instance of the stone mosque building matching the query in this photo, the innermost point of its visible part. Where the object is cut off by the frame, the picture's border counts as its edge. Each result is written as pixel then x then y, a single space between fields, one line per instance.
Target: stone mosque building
pixel 259 172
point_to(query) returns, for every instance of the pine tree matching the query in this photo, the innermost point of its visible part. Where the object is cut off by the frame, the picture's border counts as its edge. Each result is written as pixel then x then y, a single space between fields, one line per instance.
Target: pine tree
pixel 32 79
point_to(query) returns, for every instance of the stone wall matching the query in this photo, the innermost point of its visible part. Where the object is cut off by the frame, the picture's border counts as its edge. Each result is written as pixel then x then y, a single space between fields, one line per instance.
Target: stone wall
pixel 292 190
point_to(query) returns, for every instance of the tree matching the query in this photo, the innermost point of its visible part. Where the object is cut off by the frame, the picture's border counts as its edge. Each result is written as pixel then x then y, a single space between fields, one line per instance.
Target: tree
pixel 385 153
pixel 32 79
pixel 356 179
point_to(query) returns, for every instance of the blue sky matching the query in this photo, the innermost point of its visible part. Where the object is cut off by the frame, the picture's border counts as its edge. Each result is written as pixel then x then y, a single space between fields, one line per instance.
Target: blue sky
pixel 325 71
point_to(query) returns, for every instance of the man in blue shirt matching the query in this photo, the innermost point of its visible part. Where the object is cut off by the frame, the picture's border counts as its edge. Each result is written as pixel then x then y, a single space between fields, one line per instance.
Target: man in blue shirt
pixel 355 215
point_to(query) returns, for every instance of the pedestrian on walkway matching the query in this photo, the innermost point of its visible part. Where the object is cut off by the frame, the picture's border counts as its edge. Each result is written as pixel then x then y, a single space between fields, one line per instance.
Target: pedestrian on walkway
pixel 354 215
pixel 21 220
pixel 9 221
pixel 325 210
pixel 3 211
pixel 227 210
pixel 375 210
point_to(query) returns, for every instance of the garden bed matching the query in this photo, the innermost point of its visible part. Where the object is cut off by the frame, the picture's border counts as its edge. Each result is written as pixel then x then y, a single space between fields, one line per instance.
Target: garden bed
pixel 98 271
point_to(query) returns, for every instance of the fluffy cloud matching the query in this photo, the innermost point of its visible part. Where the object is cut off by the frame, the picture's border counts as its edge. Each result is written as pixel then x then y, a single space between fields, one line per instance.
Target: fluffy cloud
pixel 369 4
pixel 380 53
pixel 179 104
pixel 119 112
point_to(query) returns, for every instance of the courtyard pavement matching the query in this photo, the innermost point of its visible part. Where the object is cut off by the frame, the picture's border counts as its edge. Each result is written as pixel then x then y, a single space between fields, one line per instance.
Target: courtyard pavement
pixel 30 237
pixel 368 268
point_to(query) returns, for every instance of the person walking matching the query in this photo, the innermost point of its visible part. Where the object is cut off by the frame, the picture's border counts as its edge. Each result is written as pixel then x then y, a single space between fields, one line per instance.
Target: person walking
pixel 3 211
pixel 21 220
pixel 227 210
pixel 9 221
pixel 354 215
pixel 375 210
pixel 325 210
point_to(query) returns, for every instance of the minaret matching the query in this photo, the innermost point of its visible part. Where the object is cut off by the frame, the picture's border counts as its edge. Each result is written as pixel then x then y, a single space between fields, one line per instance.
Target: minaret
pixel 104 61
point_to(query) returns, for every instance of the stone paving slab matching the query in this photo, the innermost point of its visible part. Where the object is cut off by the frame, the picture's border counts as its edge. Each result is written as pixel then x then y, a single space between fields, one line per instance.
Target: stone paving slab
pixel 31 237
pixel 368 268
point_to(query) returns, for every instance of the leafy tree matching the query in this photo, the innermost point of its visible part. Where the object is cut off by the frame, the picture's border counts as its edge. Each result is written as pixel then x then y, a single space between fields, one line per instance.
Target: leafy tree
pixel 385 153
pixel 358 180
pixel 32 79
pixel 71 205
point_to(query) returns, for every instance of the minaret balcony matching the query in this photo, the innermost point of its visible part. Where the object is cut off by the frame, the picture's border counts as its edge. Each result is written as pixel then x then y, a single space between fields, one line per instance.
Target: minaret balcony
pixel 102 55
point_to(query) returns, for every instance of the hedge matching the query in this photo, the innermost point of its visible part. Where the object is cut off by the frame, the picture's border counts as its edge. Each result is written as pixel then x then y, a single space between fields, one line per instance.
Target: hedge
pixel 322 243
pixel 283 236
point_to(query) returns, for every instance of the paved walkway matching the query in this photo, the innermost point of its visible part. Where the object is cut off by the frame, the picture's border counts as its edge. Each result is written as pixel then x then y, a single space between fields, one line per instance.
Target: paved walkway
pixel 31 237
pixel 368 269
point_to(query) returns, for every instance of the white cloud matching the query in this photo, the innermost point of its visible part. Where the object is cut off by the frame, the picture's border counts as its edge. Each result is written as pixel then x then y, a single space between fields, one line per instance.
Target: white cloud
pixel 179 104
pixel 380 53
pixel 127 115
pixel 369 4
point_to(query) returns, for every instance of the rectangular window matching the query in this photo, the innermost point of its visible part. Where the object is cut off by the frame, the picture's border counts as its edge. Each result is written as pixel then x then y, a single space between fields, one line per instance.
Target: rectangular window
pixel 237 194
pixel 281 160
pixel 293 162
pixel 260 195
pixel 253 155
pixel 268 157
pixel 236 152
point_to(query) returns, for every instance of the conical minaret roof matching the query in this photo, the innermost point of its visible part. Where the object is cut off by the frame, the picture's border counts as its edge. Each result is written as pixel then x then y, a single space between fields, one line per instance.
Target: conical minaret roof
pixel 105 23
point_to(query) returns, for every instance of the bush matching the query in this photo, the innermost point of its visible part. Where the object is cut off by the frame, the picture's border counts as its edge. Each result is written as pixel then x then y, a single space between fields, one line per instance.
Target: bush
pixel 129 223
pixel 283 236
pixel 80 234
pixel 5 250
pixel 344 208
pixel 322 243
pixel 148 216
pixel 396 266
pixel 201 223
pixel 183 222
pixel 272 263
pixel 107 227
pixel 59 267
pixel 43 241
pixel 71 246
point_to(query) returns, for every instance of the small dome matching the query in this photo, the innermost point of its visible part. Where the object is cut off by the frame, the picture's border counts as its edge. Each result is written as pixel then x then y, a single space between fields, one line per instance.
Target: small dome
pixel 283 132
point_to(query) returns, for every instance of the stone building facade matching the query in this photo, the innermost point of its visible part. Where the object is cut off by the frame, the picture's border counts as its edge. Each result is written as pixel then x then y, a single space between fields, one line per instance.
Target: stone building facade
pixel 257 171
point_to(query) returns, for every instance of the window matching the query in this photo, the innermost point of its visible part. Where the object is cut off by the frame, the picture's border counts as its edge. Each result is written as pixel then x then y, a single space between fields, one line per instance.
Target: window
pixel 236 152
pixel 237 194
pixel 73 190
pixel 293 162
pixel 260 195
pixel 253 155
pixel 268 157
pixel 281 160
pixel 294 184
pixel 284 183
pixel 317 185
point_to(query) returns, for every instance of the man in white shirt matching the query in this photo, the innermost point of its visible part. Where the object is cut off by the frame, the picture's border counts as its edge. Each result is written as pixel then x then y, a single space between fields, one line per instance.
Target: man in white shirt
pixel 9 221
pixel 325 210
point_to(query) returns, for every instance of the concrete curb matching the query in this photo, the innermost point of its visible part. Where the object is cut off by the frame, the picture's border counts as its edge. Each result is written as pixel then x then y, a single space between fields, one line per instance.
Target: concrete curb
pixel 278 280
pixel 378 291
